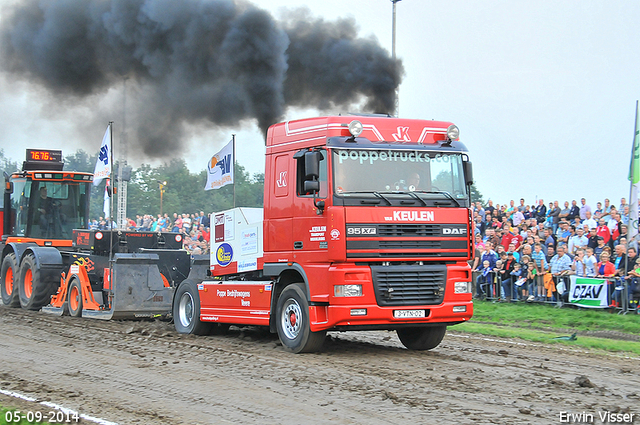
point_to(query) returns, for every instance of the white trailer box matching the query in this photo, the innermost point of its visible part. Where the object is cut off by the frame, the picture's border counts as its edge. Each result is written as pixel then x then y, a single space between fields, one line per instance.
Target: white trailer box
pixel 236 238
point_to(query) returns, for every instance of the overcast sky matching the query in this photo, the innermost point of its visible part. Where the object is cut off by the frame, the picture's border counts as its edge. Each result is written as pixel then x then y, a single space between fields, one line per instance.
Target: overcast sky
pixel 543 92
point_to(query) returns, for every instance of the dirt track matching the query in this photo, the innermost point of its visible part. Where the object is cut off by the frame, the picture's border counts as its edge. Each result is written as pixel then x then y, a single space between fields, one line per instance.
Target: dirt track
pixel 144 372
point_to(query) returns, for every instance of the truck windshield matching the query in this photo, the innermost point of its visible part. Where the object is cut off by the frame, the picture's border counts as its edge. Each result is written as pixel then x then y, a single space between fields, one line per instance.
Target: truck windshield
pixel 49 209
pixel 357 171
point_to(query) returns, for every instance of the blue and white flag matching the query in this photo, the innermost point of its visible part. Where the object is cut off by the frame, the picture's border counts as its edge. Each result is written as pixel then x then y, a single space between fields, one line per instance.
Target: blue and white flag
pixel 220 168
pixel 103 164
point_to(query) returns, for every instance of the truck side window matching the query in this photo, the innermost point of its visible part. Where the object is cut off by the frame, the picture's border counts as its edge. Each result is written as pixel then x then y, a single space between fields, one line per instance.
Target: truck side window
pixel 300 173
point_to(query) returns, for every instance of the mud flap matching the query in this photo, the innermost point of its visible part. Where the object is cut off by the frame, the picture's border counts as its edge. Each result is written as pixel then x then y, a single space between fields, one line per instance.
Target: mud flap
pixel 138 289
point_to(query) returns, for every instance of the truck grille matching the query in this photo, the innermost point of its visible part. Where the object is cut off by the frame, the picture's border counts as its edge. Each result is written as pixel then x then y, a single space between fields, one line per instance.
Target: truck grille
pixel 391 230
pixel 409 285
pixel 407 240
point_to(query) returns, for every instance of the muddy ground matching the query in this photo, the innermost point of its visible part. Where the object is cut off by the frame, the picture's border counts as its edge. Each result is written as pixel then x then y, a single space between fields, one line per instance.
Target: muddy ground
pixel 144 372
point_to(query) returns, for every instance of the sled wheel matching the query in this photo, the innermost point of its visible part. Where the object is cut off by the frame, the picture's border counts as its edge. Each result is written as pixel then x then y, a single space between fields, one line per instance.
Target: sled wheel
pixel 75 298
pixel 8 275
pixel 293 324
pixel 186 310
pixel 422 338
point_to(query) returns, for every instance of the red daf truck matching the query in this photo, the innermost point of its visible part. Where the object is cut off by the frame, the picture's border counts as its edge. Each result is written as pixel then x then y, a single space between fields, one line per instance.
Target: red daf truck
pixel 366 226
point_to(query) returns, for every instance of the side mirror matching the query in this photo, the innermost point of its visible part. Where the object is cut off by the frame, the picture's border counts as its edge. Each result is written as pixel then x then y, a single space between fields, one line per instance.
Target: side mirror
pixel 312 165
pixel 8 184
pixel 468 173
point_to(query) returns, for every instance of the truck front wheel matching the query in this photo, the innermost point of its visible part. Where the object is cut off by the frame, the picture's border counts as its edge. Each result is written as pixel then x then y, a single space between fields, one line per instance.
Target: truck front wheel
pixel 33 291
pixel 8 279
pixel 292 322
pixel 423 338
pixel 186 310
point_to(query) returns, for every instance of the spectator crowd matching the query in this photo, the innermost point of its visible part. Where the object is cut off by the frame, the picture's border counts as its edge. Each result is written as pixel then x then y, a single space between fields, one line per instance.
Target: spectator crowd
pixel 194 228
pixel 526 252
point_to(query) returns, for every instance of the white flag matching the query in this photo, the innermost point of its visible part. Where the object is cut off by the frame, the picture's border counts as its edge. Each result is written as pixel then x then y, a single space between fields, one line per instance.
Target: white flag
pixel 220 168
pixel 103 164
pixel 106 199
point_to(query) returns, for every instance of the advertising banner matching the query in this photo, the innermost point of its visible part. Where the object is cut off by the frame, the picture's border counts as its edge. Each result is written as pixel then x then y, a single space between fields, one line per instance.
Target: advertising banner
pixel 589 292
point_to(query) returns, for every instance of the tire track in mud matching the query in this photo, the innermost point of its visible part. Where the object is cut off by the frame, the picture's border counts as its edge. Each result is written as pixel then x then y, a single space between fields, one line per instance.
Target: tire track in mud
pixel 143 371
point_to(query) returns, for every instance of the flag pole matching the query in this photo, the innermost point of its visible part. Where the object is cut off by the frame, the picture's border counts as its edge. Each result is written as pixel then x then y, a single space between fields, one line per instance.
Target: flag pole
pixel 233 164
pixel 633 201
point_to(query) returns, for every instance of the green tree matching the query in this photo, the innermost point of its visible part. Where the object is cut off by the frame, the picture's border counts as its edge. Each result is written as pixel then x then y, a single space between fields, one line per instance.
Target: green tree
pixel 476 196
pixel 6 165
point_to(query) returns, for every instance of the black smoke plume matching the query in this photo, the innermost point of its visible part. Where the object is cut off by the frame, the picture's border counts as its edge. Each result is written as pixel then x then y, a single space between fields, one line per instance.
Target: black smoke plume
pixel 194 61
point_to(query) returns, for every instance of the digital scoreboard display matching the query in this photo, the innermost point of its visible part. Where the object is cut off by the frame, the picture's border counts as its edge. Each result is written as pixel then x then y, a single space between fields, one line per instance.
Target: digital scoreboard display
pixel 43 159
pixel 44 155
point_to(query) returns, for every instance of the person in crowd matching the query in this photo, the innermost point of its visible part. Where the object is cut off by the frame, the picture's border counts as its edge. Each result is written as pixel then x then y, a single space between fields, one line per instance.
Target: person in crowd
pixel 506 276
pixel 517 282
pixel 177 223
pixel 517 217
pixel 590 221
pixel 483 279
pixel 598 250
pixel 560 266
pixel 510 237
pixel 186 223
pixel 578 241
pixel 540 212
pixel 583 209
pixel 551 251
pixel 607 207
pixel 563 233
pixel 578 266
pixel 574 212
pixel 478 242
pixel 550 238
pixel 516 254
pixel 590 262
pixel 564 212
pixel 599 210
pixel 605 268
pixel 624 217
pixel 603 230
pixel 554 213
pixel 532 279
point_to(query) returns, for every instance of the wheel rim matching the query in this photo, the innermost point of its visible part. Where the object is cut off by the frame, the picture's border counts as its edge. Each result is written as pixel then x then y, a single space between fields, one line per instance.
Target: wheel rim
pixel 291 318
pixel 8 281
pixel 74 298
pixel 185 310
pixel 28 283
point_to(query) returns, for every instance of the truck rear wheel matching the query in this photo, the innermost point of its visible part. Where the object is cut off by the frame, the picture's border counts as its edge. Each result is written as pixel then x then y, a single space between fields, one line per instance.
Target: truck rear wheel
pixel 422 338
pixel 293 324
pixel 186 310
pixel 8 278
pixel 33 291
pixel 74 298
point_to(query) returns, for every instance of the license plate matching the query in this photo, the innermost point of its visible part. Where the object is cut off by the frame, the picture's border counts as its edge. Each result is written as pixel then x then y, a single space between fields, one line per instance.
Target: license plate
pixel 408 314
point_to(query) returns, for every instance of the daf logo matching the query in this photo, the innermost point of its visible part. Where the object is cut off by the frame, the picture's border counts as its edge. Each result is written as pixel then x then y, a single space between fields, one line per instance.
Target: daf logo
pixel 453 231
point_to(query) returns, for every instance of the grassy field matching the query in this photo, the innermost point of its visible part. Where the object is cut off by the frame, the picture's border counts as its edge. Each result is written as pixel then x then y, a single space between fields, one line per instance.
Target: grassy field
pixel 596 329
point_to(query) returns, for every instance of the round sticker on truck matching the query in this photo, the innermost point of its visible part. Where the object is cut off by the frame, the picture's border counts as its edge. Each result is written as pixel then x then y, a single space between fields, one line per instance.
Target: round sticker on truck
pixel 224 254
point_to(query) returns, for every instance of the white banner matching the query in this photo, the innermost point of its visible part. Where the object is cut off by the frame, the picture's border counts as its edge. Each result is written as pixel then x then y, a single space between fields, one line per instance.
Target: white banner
pixel 106 204
pixel 589 292
pixel 103 164
pixel 220 168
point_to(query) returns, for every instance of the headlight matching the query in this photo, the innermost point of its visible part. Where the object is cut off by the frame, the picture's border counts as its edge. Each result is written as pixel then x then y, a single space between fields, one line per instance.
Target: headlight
pixel 347 290
pixel 355 128
pixel 453 132
pixel 462 287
